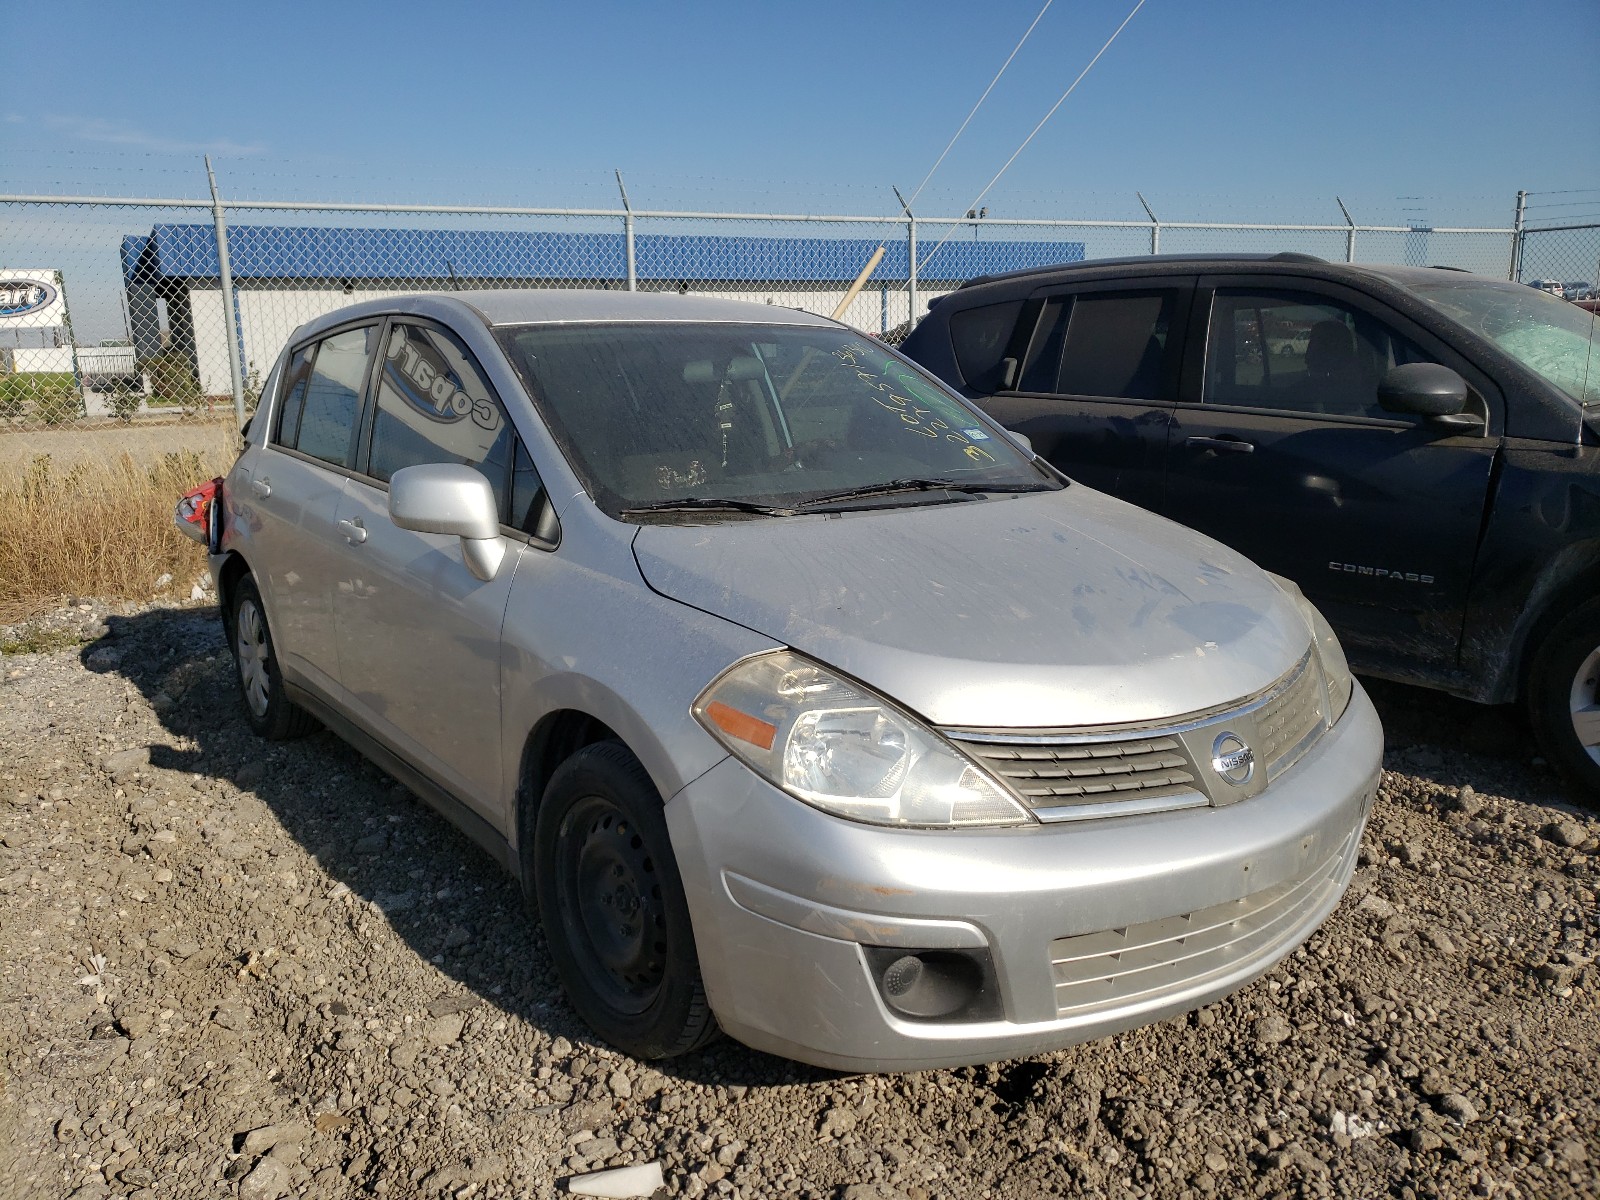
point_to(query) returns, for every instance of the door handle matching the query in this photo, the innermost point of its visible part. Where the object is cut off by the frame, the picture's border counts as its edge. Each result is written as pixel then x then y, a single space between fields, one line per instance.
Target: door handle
pixel 261 487
pixel 354 531
pixel 1231 444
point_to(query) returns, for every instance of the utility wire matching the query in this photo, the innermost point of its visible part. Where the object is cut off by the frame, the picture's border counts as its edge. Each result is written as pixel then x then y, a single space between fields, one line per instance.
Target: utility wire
pixel 921 266
pixel 978 105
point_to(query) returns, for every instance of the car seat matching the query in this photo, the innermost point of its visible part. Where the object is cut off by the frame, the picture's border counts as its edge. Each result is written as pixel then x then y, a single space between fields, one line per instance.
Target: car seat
pixel 1333 369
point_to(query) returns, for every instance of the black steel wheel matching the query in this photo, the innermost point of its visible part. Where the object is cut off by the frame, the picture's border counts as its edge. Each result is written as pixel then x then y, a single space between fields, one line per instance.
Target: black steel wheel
pixel 613 908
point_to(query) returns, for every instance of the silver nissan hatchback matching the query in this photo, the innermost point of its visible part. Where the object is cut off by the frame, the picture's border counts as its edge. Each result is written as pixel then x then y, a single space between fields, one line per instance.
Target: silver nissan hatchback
pixel 805 702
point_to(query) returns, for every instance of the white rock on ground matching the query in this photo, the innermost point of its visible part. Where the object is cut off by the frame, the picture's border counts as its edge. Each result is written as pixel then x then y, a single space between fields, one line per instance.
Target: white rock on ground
pixel 620 1182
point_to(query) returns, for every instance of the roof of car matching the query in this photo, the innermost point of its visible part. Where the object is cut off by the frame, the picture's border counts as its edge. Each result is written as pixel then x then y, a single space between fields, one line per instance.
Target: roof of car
pixel 530 306
pixel 1156 263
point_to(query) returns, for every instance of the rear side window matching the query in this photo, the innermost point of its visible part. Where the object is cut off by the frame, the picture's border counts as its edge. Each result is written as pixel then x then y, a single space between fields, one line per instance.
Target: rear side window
pixel 295 380
pixel 980 337
pixel 1112 345
pixel 333 396
pixel 434 406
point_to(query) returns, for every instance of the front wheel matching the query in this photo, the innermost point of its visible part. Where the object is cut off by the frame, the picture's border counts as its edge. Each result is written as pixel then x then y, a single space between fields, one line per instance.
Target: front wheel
pixel 613 908
pixel 1564 698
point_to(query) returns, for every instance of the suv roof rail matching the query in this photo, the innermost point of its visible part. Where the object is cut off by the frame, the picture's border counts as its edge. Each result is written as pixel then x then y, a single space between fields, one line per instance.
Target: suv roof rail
pixel 1442 267
pixel 1286 256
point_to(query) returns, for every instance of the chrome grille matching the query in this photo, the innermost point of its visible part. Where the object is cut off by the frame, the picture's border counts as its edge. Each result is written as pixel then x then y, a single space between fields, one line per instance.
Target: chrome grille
pixel 1080 774
pixel 1058 776
pixel 1147 960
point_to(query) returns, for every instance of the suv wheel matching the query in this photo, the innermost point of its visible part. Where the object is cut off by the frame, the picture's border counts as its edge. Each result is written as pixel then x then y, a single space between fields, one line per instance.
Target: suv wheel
pixel 271 713
pixel 1564 698
pixel 613 908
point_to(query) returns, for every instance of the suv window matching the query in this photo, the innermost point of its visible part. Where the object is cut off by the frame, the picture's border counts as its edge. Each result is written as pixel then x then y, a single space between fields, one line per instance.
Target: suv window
pixel 1301 352
pixel 1112 345
pixel 434 406
pixel 333 396
pixel 979 337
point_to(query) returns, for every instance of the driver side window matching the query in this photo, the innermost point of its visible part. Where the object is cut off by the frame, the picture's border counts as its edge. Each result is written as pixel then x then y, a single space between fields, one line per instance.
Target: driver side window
pixel 1300 352
pixel 435 406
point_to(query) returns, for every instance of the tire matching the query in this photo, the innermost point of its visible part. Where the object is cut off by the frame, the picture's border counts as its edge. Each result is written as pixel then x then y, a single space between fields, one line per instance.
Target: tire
pixel 269 710
pixel 1564 699
pixel 613 909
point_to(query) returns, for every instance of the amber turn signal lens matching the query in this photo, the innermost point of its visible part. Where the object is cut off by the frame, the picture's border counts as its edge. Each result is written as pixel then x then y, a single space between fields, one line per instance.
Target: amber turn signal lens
pixel 742 725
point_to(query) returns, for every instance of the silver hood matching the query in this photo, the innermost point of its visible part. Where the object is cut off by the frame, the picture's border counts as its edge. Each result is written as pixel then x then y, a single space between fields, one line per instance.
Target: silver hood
pixel 1047 609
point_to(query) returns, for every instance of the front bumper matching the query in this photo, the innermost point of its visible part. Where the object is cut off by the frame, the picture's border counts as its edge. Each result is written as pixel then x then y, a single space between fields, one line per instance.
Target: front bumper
pixel 1091 928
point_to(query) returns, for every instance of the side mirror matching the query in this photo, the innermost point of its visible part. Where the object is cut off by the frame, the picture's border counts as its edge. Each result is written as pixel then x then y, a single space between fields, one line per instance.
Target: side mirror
pixel 454 500
pixel 1024 443
pixel 1429 390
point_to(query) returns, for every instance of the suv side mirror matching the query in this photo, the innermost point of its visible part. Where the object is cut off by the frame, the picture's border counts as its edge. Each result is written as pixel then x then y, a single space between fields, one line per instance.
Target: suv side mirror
pixel 1023 441
pixel 451 499
pixel 1429 390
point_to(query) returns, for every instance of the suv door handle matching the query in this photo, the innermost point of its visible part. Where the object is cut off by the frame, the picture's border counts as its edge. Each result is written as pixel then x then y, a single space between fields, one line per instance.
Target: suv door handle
pixel 261 487
pixel 354 531
pixel 1231 444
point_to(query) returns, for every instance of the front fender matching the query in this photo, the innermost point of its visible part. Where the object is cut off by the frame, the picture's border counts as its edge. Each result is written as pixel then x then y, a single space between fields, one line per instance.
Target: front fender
pixel 621 654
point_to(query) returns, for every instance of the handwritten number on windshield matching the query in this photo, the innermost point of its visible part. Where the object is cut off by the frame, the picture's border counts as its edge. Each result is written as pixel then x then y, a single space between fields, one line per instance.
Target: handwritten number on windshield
pixel 914 417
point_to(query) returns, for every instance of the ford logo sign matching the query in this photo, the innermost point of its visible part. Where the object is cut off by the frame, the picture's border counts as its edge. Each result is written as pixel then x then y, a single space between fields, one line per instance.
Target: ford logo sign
pixel 19 297
pixel 1232 759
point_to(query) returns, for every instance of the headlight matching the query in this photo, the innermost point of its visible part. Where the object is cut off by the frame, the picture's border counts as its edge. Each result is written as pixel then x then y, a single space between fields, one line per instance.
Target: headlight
pixel 837 746
pixel 1335 667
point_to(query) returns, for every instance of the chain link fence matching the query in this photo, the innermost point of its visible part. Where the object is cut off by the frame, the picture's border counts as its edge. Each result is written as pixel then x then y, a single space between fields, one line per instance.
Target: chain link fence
pixel 1558 242
pixel 174 310
pixel 1563 260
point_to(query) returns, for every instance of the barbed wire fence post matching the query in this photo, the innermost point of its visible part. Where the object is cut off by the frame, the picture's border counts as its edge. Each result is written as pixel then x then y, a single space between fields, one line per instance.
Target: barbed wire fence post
pixel 230 299
pixel 911 256
pixel 627 235
pixel 1155 224
pixel 1519 228
pixel 1350 232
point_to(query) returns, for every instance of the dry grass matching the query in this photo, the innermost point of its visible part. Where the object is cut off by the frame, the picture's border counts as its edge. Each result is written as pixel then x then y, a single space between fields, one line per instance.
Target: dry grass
pixel 101 527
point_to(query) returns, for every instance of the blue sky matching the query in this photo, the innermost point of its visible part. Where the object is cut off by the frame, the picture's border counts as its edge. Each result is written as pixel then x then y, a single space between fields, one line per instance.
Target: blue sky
pixel 1243 109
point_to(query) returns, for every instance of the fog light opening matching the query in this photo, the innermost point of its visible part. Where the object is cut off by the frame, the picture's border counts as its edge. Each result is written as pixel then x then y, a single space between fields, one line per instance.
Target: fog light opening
pixel 934 985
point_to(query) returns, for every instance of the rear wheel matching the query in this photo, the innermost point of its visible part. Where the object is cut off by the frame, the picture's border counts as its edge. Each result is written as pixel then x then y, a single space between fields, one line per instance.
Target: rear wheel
pixel 270 711
pixel 613 908
pixel 1564 699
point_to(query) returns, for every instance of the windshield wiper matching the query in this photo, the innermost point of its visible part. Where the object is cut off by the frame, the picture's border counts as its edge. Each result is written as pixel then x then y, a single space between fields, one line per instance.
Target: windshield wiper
pixel 707 504
pixel 897 486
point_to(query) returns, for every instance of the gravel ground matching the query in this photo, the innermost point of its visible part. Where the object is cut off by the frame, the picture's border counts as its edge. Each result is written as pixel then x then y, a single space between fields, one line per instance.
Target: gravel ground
pixel 228 967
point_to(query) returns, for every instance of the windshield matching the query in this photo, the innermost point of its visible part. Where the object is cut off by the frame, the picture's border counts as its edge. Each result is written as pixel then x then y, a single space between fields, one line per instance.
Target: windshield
pixel 1558 340
pixel 764 416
